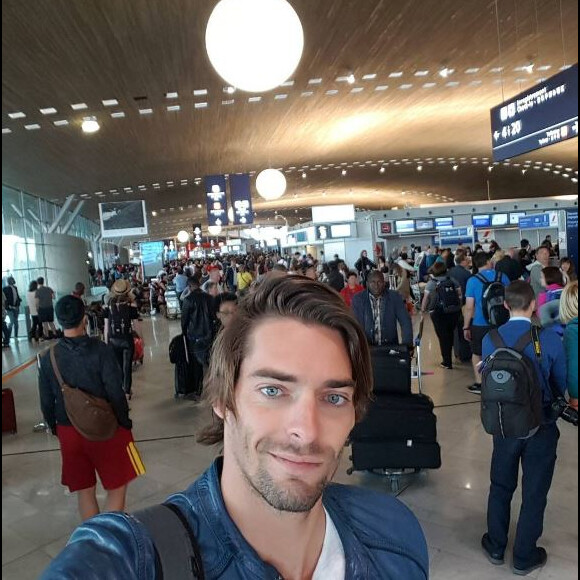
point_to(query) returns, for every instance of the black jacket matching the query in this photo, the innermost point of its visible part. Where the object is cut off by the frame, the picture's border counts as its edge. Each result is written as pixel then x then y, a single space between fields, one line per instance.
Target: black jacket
pixel 198 316
pixel 85 363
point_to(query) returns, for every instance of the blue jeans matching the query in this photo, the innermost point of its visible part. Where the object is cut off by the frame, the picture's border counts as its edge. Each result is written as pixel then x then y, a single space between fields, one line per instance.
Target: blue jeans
pixel 538 458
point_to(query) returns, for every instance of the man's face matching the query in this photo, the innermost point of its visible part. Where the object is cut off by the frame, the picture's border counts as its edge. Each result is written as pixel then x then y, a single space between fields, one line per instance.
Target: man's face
pixel 376 284
pixel 215 275
pixel 293 414
pixel 543 256
pixel 227 312
pixel 352 281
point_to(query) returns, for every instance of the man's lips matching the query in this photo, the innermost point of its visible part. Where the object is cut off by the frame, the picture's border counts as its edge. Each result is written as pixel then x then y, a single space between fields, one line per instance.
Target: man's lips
pixel 297 460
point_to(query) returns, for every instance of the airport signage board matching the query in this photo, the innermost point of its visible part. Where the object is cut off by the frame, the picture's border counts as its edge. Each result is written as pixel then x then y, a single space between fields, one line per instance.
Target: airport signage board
pixel 544 115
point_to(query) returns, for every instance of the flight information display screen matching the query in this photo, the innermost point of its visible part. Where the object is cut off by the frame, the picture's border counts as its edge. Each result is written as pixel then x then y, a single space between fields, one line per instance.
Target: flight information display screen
pixel 543 115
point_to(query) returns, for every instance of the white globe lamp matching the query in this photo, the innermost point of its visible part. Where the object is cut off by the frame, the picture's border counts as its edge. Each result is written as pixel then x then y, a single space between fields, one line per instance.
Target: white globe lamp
pixel 271 184
pixel 90 125
pixel 214 230
pixel 254 45
pixel 182 237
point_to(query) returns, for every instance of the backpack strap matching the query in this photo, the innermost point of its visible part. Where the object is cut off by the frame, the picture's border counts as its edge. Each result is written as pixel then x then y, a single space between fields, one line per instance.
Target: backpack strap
pixel 498 276
pixel 176 547
pixel 482 279
pixel 496 339
pixel 534 337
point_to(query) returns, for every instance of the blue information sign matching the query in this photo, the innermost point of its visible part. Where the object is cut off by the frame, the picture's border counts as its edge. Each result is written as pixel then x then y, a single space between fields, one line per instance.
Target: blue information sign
pixel 535 222
pixel 572 235
pixel 543 115
pixel 216 202
pixel 455 236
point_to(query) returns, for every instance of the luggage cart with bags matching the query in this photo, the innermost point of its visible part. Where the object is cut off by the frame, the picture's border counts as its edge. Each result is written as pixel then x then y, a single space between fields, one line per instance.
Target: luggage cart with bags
pixel 399 433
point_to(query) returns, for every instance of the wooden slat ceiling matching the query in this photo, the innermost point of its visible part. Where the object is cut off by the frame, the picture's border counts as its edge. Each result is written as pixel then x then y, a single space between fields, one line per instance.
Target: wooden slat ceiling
pixel 57 53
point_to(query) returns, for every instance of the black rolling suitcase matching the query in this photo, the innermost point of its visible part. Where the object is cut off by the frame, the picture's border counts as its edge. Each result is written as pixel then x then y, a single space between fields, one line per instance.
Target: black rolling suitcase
pixel 461 348
pixel 399 431
pixel 391 369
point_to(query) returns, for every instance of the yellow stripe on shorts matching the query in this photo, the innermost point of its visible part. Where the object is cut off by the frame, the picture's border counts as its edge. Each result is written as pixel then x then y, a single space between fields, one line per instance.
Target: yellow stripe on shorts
pixel 135 458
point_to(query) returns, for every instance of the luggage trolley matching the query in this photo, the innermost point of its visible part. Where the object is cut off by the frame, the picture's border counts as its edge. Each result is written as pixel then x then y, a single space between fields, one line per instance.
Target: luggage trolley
pixel 173 309
pixel 399 434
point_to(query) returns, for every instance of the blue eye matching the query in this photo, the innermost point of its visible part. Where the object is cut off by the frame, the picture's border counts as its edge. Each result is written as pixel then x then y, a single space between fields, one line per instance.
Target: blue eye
pixel 337 400
pixel 271 392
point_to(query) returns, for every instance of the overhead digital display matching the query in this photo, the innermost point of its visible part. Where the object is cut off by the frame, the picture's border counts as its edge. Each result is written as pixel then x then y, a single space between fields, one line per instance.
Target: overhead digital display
pixel 386 228
pixel 543 115
pixel 123 218
pixel 515 217
pixel 405 226
pixel 424 225
pixel 481 221
pixel 442 223
pixel 499 219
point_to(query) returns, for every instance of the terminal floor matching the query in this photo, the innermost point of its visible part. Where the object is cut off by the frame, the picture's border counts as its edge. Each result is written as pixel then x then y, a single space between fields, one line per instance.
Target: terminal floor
pixel 38 514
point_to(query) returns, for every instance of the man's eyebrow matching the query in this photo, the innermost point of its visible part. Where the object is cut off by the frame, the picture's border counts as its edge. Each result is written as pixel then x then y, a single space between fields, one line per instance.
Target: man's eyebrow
pixel 288 378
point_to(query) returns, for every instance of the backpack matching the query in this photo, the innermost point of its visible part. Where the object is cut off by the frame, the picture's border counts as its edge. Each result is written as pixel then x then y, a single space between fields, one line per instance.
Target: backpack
pixel 494 311
pixel 448 300
pixel 176 547
pixel 511 391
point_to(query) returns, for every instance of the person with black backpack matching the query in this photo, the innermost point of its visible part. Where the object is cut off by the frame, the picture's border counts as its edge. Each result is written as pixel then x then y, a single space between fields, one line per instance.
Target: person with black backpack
pixel 523 385
pixel 484 309
pixel 442 299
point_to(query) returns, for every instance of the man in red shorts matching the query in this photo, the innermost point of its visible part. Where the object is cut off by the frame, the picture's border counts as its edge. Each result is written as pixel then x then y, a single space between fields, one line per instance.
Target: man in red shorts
pixel 88 364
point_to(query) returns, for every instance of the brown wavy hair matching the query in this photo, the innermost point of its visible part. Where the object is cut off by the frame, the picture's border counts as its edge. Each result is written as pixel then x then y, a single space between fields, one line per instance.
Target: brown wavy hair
pixel 294 297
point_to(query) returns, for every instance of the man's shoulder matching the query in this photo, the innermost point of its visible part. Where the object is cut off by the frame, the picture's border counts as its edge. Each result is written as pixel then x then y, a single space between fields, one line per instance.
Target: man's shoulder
pixel 378 520
pixel 360 296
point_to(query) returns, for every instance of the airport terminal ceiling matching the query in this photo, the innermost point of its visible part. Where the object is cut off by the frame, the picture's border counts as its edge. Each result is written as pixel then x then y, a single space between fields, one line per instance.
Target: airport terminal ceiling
pixel 141 68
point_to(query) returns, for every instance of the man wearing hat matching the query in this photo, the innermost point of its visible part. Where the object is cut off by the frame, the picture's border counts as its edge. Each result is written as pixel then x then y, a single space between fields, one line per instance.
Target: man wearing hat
pixel 87 364
pixel 121 322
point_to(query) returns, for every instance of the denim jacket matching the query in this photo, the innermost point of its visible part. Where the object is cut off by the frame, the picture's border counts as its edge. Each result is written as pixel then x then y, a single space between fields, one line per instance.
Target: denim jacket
pixel 382 539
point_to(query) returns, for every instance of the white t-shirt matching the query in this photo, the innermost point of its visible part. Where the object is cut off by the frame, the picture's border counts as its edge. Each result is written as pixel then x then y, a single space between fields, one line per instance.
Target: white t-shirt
pixel 332 562
pixel 31 299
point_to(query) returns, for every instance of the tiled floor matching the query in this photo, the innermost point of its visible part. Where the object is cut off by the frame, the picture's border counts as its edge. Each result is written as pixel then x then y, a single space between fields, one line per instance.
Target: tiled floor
pixel 38 514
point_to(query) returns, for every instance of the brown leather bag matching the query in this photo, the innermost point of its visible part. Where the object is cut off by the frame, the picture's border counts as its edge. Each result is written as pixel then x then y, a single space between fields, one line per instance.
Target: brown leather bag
pixel 93 417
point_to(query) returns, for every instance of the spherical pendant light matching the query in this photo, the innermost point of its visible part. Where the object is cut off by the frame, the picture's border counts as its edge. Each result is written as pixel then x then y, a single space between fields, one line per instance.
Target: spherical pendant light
pixel 182 237
pixel 90 125
pixel 254 45
pixel 214 230
pixel 271 184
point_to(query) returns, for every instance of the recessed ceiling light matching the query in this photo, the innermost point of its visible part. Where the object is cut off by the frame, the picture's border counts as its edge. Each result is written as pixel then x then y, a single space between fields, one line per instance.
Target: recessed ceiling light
pixel 289 83
pixel 382 88
pixel 496 70
pixel 61 123
pixel 145 111
pixel 406 87
pixel 332 92
pixel 118 115
pixel 545 67
pixel 229 102
pixel 6 131
pixel 315 82
pixel 429 85
pixel 142 187
pixel 357 90
pixel 79 107
pixel 115 193
pixel 127 189
pixel 33 127
pixel 18 115
pixel 307 94
pixel 280 97
pixel 200 93
pixel 201 105
pixel 173 108
pixel 370 77
pixel 472 71
pixel 421 73
pixel 452 84
pixel 48 111
pixel 395 75
pixel 110 102
pixel 445 72
pixel 171 95
pixel 170 184
pixel 254 99
pixel 475 83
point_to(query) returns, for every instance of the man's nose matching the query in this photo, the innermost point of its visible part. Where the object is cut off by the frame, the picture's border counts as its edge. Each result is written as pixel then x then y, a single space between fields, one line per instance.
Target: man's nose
pixel 304 421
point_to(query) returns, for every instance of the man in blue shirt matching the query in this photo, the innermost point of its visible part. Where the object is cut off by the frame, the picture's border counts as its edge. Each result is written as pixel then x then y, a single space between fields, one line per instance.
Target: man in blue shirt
pixel 267 509
pixel 537 454
pixel 475 325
